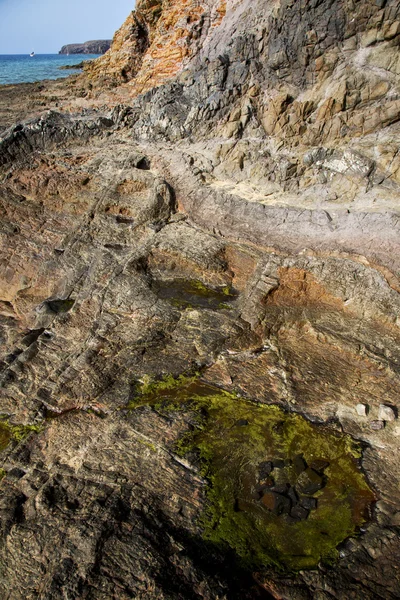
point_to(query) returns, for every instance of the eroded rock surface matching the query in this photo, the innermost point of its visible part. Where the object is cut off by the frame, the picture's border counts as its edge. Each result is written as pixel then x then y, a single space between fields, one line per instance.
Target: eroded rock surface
pixel 229 211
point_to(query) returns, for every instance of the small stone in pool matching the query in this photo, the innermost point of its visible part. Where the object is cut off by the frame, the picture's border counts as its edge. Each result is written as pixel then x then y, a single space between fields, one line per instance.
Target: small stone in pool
pixel 319 465
pixel 299 513
pixel 281 488
pixel 276 503
pixel 309 503
pixel 309 482
pixel 299 464
pixel 264 469
pixel 268 482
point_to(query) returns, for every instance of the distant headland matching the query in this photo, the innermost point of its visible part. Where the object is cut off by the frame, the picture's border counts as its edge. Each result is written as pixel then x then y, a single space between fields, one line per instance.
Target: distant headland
pixel 92 47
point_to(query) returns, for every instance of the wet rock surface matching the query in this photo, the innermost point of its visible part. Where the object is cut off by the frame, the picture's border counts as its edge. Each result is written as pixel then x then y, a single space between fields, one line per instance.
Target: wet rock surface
pixel 260 509
pixel 285 498
pixel 238 222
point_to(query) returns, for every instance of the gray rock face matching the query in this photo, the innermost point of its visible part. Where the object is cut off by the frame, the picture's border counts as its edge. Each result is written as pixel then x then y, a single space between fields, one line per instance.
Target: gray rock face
pixel 92 47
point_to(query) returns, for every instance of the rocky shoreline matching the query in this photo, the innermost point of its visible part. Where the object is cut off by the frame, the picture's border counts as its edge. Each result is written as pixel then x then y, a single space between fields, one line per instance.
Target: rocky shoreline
pixel 199 310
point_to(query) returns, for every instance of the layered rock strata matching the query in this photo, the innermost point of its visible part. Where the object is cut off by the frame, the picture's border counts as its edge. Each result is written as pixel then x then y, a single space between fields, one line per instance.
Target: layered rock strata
pixel 256 152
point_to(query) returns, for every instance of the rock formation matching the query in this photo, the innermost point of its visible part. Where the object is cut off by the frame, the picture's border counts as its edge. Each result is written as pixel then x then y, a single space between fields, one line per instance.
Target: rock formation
pixel 156 41
pixel 199 311
pixel 92 47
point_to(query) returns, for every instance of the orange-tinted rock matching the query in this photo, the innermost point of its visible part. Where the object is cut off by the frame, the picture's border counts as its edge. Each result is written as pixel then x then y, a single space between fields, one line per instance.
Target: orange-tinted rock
pixel 276 503
pixel 153 44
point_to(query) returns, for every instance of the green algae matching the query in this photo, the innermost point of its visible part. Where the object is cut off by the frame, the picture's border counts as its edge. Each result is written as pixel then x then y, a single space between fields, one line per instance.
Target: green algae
pixel 224 306
pixel 147 444
pixel 191 293
pixel 16 433
pixel 20 432
pixel 149 391
pixel 60 306
pixel 231 436
pixel 5 436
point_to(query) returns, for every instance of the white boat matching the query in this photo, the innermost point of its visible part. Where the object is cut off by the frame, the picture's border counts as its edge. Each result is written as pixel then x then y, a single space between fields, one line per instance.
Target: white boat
pixel 32 53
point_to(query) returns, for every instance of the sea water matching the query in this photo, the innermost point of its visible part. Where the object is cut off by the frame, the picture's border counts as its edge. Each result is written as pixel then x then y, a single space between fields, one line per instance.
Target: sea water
pixel 22 68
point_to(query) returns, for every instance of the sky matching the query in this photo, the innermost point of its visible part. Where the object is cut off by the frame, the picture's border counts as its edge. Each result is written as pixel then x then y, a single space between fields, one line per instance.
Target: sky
pixel 46 25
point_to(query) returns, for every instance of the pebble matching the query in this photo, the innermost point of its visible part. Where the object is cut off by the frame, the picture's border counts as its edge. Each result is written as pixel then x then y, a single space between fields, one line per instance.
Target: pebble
pixel 362 410
pixel 377 425
pixel 386 413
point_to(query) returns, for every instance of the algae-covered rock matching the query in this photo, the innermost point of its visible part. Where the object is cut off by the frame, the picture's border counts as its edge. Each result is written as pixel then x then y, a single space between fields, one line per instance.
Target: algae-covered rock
pixel 5 436
pixel 232 458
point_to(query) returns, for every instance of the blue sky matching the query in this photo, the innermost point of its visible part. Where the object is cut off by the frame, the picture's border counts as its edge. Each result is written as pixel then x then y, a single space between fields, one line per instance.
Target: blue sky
pixel 46 25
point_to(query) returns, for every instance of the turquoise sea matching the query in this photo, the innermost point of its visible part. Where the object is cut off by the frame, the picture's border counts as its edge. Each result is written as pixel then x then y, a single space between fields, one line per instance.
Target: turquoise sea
pixel 21 68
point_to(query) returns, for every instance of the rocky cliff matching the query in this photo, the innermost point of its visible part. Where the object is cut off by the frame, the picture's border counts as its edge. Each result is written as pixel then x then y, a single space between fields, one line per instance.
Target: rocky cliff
pixel 155 42
pixel 199 311
pixel 92 47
